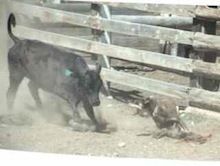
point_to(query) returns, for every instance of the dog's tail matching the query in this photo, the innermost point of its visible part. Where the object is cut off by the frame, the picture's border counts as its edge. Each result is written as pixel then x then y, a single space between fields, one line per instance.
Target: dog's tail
pixel 12 21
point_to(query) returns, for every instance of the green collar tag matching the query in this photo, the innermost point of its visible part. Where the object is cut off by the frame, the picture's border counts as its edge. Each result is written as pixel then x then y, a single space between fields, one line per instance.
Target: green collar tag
pixel 68 72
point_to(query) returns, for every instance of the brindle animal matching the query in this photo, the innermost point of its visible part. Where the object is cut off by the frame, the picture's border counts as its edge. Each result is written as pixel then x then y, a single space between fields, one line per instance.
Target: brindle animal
pixel 164 113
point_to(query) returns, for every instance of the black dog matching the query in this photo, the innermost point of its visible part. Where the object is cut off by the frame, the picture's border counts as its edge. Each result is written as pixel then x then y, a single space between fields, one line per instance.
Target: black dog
pixel 59 72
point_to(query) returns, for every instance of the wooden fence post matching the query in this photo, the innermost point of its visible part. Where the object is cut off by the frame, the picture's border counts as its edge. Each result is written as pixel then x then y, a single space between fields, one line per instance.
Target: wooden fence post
pixel 192 53
pixel 210 56
pixel 207 27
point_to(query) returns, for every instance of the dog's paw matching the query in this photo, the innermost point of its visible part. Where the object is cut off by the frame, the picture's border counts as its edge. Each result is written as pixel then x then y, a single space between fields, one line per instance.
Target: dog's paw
pixel 81 127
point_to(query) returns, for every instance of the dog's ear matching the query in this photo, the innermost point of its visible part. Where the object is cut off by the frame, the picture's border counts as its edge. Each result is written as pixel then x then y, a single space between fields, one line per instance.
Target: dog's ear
pixel 148 100
pixel 152 102
pixel 98 68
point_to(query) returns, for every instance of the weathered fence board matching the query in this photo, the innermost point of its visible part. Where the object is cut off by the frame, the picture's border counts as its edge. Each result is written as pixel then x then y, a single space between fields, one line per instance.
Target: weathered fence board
pixel 207 12
pixel 181 10
pixel 142 43
pixel 174 21
pixel 76 6
pixel 144 83
pixel 166 21
pixel 195 97
pixel 179 36
pixel 162 61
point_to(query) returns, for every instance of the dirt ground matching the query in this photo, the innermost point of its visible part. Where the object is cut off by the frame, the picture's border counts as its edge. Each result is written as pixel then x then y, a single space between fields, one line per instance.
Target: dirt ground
pixel 47 130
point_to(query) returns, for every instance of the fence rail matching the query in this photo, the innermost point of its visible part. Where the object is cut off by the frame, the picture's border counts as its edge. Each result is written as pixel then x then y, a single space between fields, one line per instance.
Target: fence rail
pixel 180 10
pixel 158 60
pixel 166 21
pixel 196 97
pixel 197 39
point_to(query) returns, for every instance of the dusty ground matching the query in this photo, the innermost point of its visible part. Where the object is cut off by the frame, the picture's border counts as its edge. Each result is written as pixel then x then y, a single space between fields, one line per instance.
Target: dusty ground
pixel 47 130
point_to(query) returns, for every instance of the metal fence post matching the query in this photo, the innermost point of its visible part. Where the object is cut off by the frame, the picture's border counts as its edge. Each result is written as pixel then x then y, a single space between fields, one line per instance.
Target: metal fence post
pixel 102 36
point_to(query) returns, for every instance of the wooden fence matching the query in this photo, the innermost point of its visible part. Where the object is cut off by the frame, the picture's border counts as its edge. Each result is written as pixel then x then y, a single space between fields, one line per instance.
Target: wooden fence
pixel 190 67
pixel 180 10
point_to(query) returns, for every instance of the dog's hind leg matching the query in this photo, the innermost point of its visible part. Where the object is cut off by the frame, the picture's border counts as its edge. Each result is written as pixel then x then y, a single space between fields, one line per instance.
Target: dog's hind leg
pixel 35 94
pixel 15 78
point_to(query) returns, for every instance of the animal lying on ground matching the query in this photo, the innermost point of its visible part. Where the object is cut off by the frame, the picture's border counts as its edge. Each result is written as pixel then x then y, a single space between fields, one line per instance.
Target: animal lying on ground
pixel 54 70
pixel 164 113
